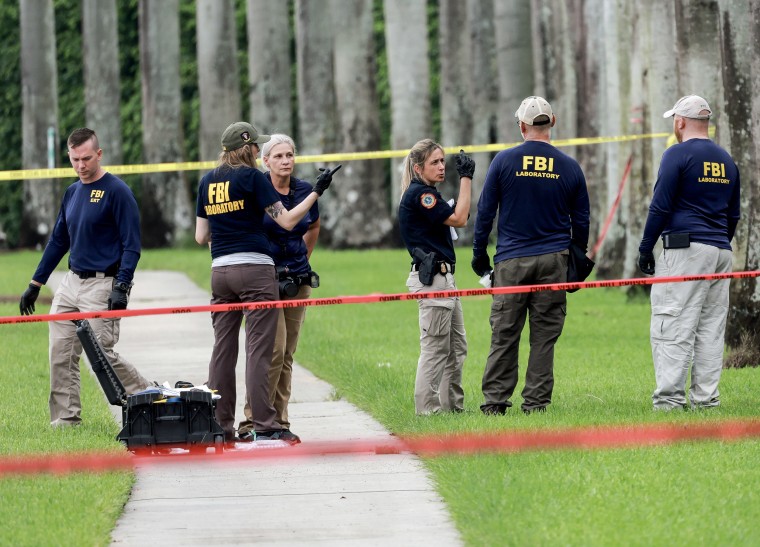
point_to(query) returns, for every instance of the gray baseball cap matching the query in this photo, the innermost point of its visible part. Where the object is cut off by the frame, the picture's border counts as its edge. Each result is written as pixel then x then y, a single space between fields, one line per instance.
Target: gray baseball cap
pixel 239 134
pixel 534 111
pixel 690 107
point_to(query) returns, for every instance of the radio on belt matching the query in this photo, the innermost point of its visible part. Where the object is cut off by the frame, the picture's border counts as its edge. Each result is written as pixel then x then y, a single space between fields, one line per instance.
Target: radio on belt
pixel 152 417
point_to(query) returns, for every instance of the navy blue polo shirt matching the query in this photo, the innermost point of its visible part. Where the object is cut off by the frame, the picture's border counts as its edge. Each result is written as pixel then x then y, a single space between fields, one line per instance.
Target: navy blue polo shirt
pixel 697 192
pixel 288 248
pixel 542 200
pixel 421 216
pixel 99 223
pixel 233 200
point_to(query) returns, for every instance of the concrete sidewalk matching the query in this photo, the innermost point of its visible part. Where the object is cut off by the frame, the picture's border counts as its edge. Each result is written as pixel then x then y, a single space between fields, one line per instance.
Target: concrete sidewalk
pixel 332 500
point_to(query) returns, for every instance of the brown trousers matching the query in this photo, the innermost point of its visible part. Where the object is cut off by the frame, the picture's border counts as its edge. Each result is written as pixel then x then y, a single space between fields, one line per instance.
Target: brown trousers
pixel 243 283
pixel 289 323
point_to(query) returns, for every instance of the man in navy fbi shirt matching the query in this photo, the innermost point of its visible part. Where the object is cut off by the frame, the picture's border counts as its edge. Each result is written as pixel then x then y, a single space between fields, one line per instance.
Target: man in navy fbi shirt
pixel 99 225
pixel 541 197
pixel 695 207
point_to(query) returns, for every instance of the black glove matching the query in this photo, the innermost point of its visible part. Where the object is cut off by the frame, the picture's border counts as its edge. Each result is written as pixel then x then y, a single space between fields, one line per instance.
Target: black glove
pixel 646 262
pixel 26 306
pixel 481 264
pixel 119 296
pixel 324 180
pixel 465 165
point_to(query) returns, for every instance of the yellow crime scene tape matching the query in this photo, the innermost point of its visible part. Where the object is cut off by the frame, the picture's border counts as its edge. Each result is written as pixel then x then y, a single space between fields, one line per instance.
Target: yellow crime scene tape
pixel 141 169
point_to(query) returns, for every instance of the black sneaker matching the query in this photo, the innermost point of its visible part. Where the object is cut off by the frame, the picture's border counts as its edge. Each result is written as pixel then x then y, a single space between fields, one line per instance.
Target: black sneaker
pixel 246 437
pixel 493 409
pixel 277 435
pixel 534 409
pixel 288 436
pixel 229 437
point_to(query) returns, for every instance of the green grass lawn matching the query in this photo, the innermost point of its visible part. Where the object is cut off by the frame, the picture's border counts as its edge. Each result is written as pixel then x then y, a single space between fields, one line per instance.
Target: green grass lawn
pixel 695 492
pixel 77 509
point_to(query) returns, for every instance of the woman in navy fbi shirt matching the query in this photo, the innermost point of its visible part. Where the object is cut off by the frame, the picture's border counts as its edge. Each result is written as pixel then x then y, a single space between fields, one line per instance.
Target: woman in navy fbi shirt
pixel 291 251
pixel 232 202
pixel 425 220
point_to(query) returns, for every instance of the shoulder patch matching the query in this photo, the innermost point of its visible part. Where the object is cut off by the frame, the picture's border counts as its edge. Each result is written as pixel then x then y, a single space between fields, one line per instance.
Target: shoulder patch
pixel 427 200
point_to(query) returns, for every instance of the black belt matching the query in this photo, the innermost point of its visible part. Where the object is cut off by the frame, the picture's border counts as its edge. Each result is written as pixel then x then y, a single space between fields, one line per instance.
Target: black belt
pixel 441 267
pixel 110 272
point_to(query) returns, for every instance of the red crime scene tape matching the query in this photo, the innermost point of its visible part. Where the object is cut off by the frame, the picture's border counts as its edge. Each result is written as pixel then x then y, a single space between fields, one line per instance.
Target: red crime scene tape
pixel 577 438
pixel 372 298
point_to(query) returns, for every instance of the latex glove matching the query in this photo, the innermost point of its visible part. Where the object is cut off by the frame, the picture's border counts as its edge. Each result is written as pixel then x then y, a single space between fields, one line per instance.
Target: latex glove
pixel 465 165
pixel 119 297
pixel 26 306
pixel 646 262
pixel 324 180
pixel 481 264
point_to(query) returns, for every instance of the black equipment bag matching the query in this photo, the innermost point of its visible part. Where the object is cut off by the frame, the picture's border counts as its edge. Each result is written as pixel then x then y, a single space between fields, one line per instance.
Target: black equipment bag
pixel 149 418
pixel 112 386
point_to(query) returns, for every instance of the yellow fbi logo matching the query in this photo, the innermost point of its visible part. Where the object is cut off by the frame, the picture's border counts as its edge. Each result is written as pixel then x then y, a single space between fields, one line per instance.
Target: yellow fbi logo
pixel 537 166
pixel 219 199
pixel 96 195
pixel 714 172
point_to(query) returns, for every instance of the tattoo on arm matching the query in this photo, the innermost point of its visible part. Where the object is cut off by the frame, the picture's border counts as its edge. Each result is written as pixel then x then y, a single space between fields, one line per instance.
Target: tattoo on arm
pixel 275 210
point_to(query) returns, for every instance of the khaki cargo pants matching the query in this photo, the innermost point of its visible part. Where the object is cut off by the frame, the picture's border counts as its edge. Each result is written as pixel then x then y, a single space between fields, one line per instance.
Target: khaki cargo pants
pixel 443 348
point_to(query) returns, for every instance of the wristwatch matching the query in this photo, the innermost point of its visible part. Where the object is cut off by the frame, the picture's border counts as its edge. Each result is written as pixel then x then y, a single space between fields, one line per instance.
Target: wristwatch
pixel 120 285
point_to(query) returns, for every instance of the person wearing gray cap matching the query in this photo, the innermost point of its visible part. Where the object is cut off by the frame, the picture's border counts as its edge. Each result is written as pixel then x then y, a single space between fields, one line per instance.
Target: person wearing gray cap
pixel 541 197
pixel 232 201
pixel 695 207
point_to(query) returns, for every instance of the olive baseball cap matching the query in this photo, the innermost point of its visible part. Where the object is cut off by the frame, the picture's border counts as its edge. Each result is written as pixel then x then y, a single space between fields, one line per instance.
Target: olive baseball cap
pixel 239 134
pixel 690 107
pixel 534 111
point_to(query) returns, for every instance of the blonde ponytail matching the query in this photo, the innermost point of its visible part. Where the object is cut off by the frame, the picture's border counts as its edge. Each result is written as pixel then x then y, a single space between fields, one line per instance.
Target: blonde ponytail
pixel 418 155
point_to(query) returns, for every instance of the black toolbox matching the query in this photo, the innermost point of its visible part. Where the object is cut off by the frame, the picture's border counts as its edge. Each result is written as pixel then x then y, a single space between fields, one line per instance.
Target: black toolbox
pixel 150 418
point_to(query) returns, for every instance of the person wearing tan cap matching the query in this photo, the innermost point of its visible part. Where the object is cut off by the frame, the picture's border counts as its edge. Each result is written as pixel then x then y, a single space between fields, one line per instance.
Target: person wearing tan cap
pixel 695 207
pixel 543 205
pixel 232 201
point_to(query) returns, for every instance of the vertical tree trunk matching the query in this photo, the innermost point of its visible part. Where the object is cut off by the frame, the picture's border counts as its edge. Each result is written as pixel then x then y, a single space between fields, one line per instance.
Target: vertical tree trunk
pixel 554 65
pixel 102 84
pixel 269 61
pixel 514 62
pixel 454 48
pixel 358 212
pixel 317 115
pixel 218 77
pixel 615 82
pixel 588 20
pixel 484 96
pixel 697 47
pixel 166 212
pixel 409 79
pixel 653 90
pixel 39 83
pixel 740 45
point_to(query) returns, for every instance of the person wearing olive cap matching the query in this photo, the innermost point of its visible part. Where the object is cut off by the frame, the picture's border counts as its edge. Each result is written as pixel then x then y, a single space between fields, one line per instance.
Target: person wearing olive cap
pixel 695 207
pixel 426 222
pixel 232 201
pixel 541 197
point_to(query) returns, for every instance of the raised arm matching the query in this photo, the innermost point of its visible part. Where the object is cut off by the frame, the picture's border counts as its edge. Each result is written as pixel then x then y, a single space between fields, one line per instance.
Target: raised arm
pixel 288 219
pixel 466 169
